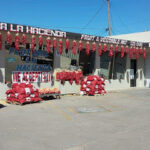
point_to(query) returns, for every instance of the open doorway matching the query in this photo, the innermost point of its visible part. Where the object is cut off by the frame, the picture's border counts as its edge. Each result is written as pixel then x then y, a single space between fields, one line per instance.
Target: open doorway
pixel 133 69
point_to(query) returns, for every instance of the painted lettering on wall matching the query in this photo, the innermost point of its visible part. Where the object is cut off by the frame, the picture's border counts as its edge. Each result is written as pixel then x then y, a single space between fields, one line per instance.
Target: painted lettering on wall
pixel 32 30
pixel 30 60
pixel 31 76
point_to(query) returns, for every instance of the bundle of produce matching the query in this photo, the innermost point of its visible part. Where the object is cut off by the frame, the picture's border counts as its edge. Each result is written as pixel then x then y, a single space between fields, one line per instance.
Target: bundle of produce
pixel 22 93
pixel 92 85
pixel 70 76
pixel 43 91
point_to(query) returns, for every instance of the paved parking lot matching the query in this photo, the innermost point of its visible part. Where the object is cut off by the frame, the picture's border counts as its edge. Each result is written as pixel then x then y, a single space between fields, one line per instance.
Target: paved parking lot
pixel 116 121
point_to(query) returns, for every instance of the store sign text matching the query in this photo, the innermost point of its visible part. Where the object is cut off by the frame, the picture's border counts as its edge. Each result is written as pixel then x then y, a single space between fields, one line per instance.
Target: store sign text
pixel 30 60
pixel 31 76
pixel 109 40
pixel 31 30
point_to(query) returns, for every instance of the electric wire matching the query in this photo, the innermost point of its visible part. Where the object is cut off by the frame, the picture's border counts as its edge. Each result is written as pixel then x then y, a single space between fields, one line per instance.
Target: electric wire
pixel 93 17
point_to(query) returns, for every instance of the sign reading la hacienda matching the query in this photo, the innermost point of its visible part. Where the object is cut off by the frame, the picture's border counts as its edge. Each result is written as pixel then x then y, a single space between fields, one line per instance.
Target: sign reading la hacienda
pixel 61 34
pixel 32 30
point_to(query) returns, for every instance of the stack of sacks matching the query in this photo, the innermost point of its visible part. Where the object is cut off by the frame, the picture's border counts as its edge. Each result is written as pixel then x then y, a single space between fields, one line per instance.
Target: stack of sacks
pixel 92 85
pixel 43 91
pixel 70 76
pixel 23 93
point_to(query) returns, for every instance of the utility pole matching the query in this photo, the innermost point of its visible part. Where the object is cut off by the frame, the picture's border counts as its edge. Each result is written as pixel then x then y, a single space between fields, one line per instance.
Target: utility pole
pixel 108 10
pixel 112 62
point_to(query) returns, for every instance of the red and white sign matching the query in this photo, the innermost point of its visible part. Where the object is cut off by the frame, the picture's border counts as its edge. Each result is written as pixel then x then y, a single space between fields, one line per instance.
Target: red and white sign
pixel 23 76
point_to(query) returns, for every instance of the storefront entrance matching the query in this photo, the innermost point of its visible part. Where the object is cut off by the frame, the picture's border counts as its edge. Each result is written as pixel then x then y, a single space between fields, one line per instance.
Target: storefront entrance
pixel 133 69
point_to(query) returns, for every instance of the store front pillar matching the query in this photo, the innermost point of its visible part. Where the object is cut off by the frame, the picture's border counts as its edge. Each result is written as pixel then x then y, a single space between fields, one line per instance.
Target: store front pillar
pixel 97 64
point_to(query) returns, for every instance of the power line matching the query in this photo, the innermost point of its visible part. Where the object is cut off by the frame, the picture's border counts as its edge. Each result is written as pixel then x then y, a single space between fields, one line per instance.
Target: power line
pixel 97 12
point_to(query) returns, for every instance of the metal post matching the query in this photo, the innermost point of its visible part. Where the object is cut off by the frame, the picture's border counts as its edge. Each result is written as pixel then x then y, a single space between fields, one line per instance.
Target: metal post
pixel 108 10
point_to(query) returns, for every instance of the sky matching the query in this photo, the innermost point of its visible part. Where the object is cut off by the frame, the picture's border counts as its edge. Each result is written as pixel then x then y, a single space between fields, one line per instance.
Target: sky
pixel 79 16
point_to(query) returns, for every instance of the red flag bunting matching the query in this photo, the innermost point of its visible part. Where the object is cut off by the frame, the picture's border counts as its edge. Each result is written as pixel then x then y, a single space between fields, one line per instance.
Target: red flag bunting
pixel 131 53
pixel 137 53
pixel 32 43
pixel 127 49
pixel 40 41
pixel 54 43
pixel 74 46
pixel 8 37
pixel 134 50
pixel 67 44
pixel 99 49
pixel 117 48
pixel 24 39
pixel 141 51
pixel 122 51
pixel 17 40
pixel 111 51
pixel 60 47
pixel 48 44
pixel 94 46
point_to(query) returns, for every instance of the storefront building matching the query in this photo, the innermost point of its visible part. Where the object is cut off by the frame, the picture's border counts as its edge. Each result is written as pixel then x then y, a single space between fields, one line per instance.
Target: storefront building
pixel 141 37
pixel 36 55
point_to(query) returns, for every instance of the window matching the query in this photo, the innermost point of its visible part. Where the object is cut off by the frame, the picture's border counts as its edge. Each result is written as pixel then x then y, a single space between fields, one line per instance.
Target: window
pixel 105 64
pixel 119 66
pixel 87 63
pixel 69 60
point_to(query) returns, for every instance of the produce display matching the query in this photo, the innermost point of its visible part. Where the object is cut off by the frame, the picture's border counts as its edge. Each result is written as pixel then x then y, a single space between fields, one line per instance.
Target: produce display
pixel 92 85
pixel 22 93
pixel 70 76
pixel 43 91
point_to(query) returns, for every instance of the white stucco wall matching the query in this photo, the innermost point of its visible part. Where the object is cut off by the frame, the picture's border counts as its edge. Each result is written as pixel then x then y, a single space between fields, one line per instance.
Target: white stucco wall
pixel 141 37
pixel 140 72
pixel 147 71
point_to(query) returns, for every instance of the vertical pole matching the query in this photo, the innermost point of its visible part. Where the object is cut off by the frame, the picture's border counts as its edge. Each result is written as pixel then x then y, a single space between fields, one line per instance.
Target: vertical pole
pixel 108 10
pixel 109 29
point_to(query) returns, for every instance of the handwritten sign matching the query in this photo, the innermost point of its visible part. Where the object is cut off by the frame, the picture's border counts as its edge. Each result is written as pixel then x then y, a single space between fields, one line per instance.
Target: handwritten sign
pixel 30 76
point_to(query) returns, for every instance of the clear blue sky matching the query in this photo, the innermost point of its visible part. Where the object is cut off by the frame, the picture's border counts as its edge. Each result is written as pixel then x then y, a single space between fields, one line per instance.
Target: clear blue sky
pixel 81 16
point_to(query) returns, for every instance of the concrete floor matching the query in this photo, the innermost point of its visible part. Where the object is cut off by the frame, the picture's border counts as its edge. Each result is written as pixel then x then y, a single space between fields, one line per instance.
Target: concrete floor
pixel 116 121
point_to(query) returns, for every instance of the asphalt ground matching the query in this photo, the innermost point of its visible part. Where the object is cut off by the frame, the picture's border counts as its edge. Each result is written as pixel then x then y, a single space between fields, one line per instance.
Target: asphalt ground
pixel 116 121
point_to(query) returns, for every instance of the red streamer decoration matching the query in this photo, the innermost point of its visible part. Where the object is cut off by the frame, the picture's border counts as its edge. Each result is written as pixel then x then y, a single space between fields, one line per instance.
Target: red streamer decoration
pixel 117 48
pixel 87 48
pixel 141 51
pixel 94 46
pixel 74 46
pixel 131 53
pixel 48 45
pixel 111 51
pixel 127 50
pixel 32 43
pixel 24 39
pixel 99 49
pixel 122 51
pixel 134 50
pixel 105 48
pixel 17 40
pixel 67 44
pixel 40 41
pixel 137 53
pixel 8 37
pixel 144 53
pixel 0 41
pixel 80 46
pixel 54 43
pixel 60 47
